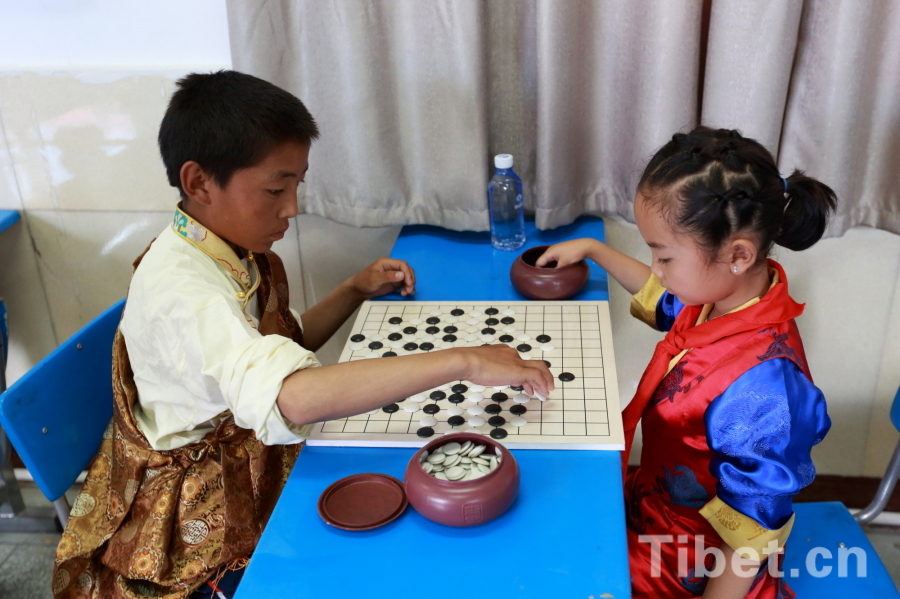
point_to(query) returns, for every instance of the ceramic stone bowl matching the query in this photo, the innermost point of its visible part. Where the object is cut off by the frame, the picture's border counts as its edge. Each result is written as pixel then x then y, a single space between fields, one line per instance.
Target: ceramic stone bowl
pixel 548 283
pixel 464 502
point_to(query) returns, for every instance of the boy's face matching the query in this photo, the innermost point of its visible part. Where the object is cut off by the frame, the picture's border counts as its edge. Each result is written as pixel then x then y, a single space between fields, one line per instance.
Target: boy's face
pixel 254 209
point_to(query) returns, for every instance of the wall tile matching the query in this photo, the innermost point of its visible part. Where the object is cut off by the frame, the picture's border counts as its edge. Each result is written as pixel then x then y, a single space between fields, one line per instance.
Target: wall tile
pixel 86 141
pixel 85 259
pixel 31 334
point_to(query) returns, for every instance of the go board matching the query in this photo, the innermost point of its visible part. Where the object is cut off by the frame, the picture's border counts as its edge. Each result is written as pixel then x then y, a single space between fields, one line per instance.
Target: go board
pixel 574 338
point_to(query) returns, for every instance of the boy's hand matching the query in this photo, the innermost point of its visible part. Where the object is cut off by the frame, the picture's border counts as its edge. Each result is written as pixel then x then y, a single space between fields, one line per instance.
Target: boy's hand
pixel 491 365
pixel 567 252
pixel 384 276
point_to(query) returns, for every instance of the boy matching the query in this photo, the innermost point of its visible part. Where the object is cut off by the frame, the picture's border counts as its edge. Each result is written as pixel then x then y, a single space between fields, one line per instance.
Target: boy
pixel 214 377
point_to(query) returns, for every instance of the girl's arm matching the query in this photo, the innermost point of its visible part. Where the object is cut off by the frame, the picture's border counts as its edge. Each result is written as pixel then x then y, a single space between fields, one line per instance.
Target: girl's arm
pixel 729 584
pixel 630 273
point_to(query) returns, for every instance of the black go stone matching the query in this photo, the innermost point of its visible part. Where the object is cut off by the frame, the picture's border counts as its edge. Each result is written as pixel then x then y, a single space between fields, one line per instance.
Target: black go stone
pixel 524 348
pixel 542 338
pixel 485 331
pixel 498 433
pixel 411 346
pixel 432 330
pixel 431 408
pixel 357 338
pixel 493 409
pixel 507 320
pixel 459 388
pixel 491 322
pixel 506 338
pixel 410 330
pixel 395 337
pixel 496 420
pixel 456 398
pixel 437 395
pixel 499 397
pixel 395 320
pixel 566 377
pixel 491 311
pixel 518 410
pixel 425 431
pixel 433 320
pixel 518 388
pixel 376 345
pixel 391 408
pixel 449 338
pixel 547 362
pixel 456 312
pixel 456 421
pixel 450 329
pixel 388 354
pixel 427 346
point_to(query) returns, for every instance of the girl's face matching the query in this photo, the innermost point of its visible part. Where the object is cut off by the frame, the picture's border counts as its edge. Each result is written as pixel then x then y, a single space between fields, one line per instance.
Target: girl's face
pixel 681 265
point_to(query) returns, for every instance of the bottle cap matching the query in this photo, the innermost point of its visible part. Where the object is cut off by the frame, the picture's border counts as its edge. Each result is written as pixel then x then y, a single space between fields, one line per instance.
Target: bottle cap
pixel 503 161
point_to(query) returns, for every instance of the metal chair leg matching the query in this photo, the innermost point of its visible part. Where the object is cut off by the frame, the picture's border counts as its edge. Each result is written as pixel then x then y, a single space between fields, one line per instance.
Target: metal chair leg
pixel 62 510
pixel 885 489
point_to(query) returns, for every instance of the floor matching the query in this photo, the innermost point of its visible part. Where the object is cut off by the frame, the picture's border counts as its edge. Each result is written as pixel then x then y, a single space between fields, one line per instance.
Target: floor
pixel 26 559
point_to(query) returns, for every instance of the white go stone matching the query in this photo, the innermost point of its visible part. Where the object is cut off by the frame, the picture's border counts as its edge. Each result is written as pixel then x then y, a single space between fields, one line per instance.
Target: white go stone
pixel 499 387
pixel 437 458
pixel 451 320
pixel 509 329
pixel 446 345
pixel 415 321
pixel 524 337
pixel 376 338
pixel 373 354
pixel 452 448
pixel 396 344
pixel 436 312
pixel 476 421
pixel 509 312
pixel 427 467
pixel 518 421
pixel 474 431
pixel 539 396
pixel 477 396
pixel 445 387
pixel 476 410
pixel 524 356
pixel 428 421
pixel 472 337
pixel 466 447
pixel 455 473
pixel 476 388
pixel 418 397
pixel 441 476
pixel 373 412
pixel 476 313
pixel 454 411
pixel 472 321
pixel 356 346
pixel 427 337
pixel 394 328
pixel 477 451
pixel 409 338
pixel 521 398
pixel 487 338
pixel 411 407
pixel 547 347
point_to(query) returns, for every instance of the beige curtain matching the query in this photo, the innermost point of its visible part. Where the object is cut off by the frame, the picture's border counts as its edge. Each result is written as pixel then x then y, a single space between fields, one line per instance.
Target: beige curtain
pixel 414 97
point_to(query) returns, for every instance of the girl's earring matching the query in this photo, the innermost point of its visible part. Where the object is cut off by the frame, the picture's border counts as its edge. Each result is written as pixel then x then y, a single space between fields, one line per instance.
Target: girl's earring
pixel 734 269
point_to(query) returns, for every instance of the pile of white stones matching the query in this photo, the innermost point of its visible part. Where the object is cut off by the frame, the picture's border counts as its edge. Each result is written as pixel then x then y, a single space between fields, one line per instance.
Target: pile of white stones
pixel 453 461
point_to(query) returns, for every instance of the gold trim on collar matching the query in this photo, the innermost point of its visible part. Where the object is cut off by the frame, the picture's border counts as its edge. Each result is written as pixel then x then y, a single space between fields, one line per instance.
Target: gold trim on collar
pixel 213 246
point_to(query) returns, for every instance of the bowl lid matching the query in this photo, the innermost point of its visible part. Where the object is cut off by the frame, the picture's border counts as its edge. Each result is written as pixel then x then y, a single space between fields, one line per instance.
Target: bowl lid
pixel 362 501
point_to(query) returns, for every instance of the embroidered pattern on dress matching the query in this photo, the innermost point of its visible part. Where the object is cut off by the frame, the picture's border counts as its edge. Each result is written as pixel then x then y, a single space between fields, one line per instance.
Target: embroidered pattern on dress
pixel 670 386
pixel 780 349
pixel 682 486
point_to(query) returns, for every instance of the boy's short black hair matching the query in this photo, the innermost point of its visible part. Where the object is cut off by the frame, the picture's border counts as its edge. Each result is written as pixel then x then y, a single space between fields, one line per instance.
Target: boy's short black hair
pixel 227 121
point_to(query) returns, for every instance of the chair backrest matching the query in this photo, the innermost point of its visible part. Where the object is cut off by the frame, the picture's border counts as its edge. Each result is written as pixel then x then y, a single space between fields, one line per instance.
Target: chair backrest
pixel 56 413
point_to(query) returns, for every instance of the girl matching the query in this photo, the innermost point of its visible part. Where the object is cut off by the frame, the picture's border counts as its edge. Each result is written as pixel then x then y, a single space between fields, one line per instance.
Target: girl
pixel 728 406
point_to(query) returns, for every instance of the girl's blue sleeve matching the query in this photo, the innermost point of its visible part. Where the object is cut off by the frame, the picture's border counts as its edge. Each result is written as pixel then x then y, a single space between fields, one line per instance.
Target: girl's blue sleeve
pixel 761 430
pixel 655 306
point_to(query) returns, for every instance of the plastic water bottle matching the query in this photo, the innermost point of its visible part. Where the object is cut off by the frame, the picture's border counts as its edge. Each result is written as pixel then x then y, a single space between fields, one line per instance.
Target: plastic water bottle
pixel 507 209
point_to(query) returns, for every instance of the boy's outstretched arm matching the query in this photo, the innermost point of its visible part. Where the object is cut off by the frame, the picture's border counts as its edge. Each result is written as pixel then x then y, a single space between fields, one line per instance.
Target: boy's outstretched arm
pixel 630 273
pixel 350 388
pixel 382 276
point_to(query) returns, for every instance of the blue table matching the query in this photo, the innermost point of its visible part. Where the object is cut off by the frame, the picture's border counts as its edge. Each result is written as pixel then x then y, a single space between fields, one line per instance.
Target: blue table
pixel 563 537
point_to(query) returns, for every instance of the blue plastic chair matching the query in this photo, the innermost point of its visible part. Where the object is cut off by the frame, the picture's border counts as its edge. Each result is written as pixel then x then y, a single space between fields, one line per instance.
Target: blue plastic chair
pixel 55 415
pixel 828 554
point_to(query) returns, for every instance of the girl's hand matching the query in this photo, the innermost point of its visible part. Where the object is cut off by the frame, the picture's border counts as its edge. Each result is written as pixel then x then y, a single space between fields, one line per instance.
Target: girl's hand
pixel 384 276
pixel 492 365
pixel 568 252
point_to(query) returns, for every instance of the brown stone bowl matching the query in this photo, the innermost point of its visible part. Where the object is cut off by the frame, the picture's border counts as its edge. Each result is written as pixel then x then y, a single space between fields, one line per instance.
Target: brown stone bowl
pixel 463 502
pixel 547 283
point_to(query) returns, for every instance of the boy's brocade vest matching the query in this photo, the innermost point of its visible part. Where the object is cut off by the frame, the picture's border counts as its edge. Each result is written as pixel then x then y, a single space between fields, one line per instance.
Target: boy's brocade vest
pixel 674 481
pixel 154 523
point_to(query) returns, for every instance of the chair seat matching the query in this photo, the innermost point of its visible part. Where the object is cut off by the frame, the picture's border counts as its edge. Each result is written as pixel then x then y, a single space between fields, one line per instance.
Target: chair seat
pixel 828 525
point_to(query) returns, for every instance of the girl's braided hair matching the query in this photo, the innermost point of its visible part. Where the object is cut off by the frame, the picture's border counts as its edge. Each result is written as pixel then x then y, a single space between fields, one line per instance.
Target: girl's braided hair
pixel 715 183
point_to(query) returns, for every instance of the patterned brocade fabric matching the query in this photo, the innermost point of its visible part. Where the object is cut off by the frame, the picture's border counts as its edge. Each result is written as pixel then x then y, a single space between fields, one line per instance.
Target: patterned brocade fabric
pixel 742 533
pixel 151 523
pixel 644 302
